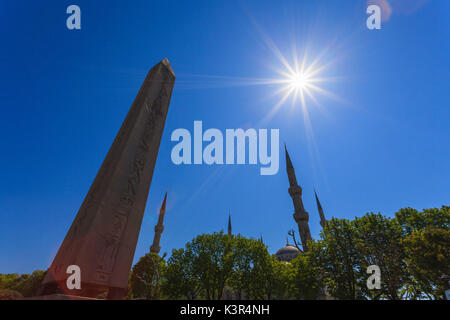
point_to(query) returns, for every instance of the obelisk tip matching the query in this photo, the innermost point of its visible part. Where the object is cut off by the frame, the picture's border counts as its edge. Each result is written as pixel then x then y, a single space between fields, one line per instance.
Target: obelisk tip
pixel 166 63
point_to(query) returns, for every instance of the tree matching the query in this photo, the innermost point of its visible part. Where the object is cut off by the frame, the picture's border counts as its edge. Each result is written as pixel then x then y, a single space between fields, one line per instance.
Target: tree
pixel 7 294
pixel 180 281
pixel 306 279
pixel 209 264
pixel 252 268
pixel 428 259
pixel 340 260
pixel 9 280
pixel 411 250
pixel 278 280
pixel 412 220
pixel 146 277
pixel 26 284
pixel 212 262
pixel 427 246
pixel 206 264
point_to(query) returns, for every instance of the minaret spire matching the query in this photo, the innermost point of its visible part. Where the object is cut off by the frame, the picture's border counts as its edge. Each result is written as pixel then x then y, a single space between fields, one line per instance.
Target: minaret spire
pixel 290 168
pixel 229 224
pixel 301 217
pixel 323 221
pixel 159 228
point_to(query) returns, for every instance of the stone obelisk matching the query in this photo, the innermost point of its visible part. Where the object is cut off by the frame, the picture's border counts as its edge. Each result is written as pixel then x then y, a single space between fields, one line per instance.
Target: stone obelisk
pixel 102 239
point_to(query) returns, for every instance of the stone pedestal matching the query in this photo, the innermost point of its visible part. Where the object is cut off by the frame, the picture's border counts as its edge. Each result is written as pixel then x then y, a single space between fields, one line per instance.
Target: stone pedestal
pixel 59 297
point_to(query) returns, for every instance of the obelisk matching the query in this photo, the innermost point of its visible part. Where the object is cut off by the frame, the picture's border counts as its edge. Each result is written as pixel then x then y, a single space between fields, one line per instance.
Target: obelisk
pixel 102 239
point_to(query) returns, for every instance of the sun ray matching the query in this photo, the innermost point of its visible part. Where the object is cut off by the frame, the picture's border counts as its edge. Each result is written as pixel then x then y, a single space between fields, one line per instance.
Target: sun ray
pixel 302 79
pixel 278 105
pixel 324 92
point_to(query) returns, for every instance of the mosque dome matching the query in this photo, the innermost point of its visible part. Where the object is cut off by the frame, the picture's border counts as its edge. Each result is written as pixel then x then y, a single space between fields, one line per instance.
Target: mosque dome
pixel 287 253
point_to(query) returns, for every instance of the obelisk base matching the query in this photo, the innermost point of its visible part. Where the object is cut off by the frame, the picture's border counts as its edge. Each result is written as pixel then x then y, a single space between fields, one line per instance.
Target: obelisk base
pixel 59 297
pixel 88 291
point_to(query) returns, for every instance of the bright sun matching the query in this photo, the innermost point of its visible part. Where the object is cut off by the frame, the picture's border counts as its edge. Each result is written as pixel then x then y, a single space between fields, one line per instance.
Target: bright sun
pixel 299 81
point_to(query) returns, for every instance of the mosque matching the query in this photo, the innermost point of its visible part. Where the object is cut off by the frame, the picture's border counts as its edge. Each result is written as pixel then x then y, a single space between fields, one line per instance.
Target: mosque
pixel 301 217
pixel 286 253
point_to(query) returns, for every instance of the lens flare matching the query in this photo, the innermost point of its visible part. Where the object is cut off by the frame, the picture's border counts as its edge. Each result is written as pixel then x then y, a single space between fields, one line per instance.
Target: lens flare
pixel 299 81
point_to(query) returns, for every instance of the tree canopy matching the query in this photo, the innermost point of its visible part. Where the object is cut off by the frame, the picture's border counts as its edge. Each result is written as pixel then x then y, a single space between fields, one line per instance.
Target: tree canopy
pixel 411 250
pixel 20 285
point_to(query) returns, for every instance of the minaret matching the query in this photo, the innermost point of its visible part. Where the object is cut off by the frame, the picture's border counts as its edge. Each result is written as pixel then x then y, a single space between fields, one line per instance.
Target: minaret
pixel 301 217
pixel 229 224
pixel 159 228
pixel 323 221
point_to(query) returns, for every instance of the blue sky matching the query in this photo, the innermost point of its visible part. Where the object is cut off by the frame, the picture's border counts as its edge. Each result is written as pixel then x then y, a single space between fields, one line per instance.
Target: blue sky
pixel 381 145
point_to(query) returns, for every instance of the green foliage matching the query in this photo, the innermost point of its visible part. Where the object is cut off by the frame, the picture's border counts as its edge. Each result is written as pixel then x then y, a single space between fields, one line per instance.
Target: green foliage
pixel 305 280
pixel 340 260
pixel 378 240
pixel 426 241
pixel 180 280
pixel 146 277
pixel 26 284
pixel 428 259
pixel 8 281
pixel 209 265
pixel 202 269
pixel 278 280
pixel 412 251
pixel 252 268
pixel 7 294
pixel 212 262
pixel 412 220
